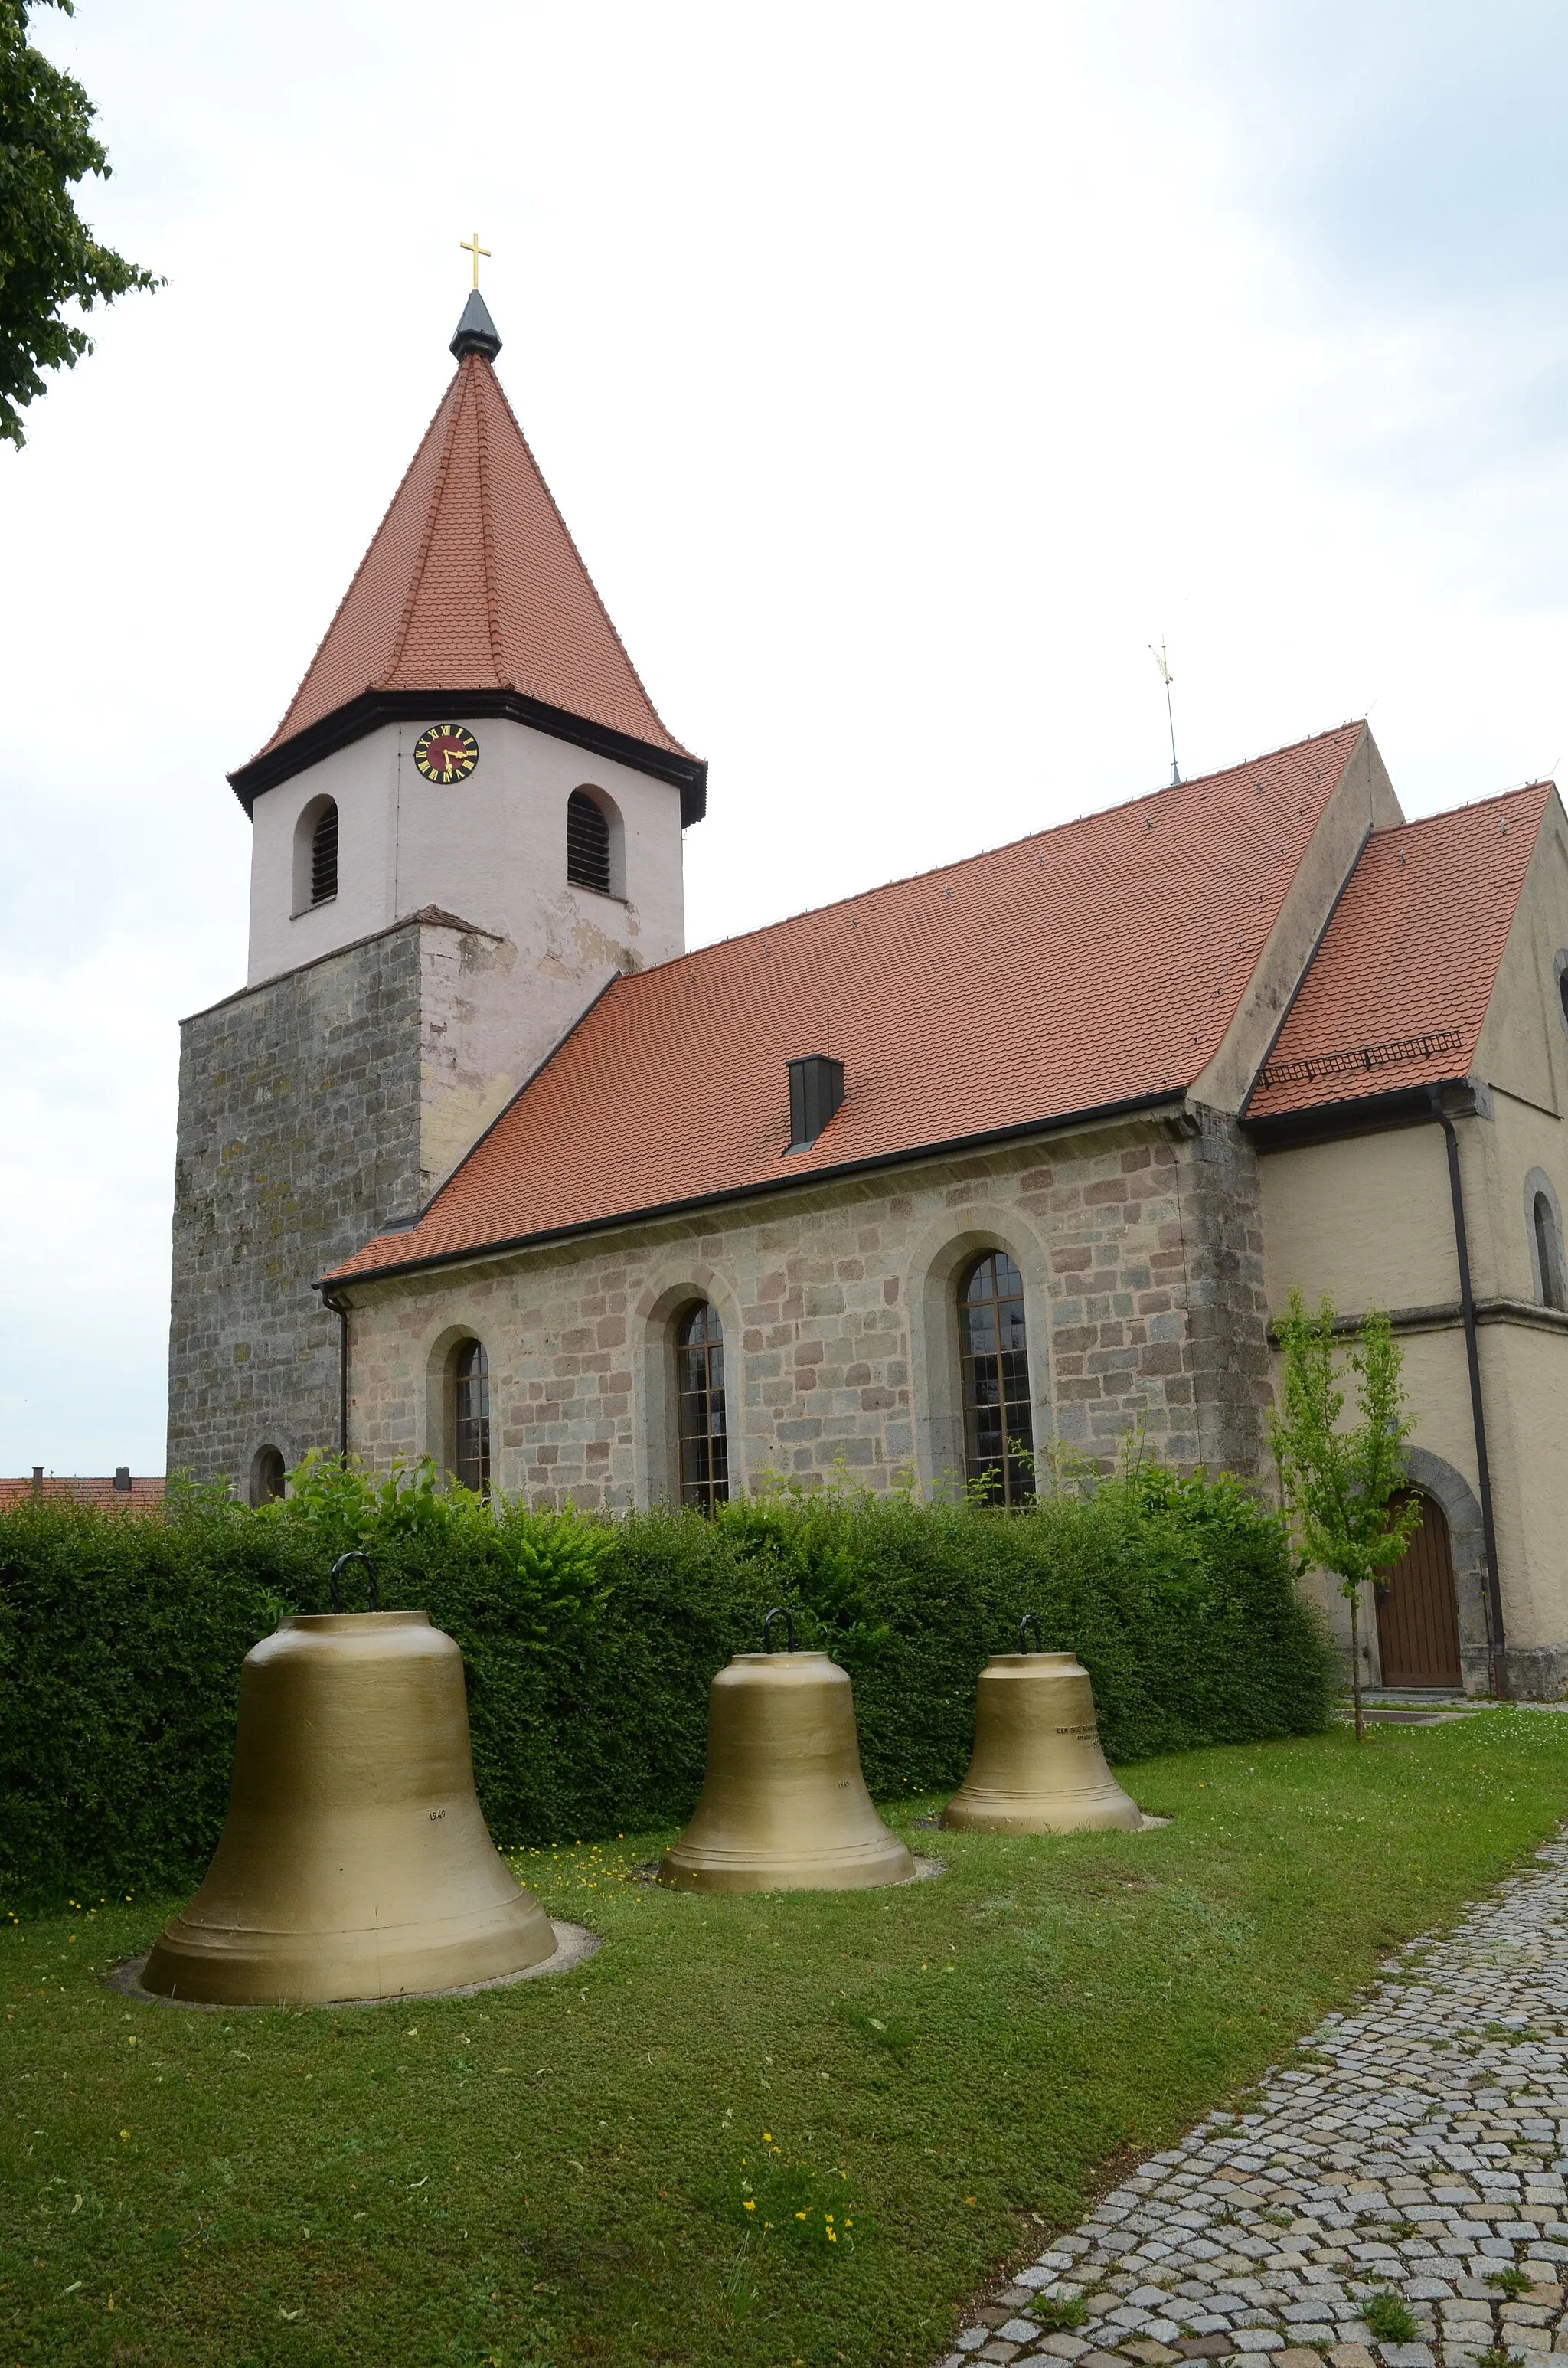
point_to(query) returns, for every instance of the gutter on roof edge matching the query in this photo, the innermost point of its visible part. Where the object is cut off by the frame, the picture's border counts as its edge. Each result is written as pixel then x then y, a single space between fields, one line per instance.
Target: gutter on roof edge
pixel 1173 1099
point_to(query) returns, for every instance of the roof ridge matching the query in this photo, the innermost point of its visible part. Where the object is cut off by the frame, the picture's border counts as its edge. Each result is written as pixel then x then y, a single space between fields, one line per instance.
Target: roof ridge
pixel 487 528
pixel 1469 806
pixel 587 573
pixel 277 731
pixel 1004 846
pixel 422 557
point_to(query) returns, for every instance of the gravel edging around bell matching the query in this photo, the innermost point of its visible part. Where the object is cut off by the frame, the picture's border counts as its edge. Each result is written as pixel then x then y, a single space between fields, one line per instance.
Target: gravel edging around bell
pixel 575 1944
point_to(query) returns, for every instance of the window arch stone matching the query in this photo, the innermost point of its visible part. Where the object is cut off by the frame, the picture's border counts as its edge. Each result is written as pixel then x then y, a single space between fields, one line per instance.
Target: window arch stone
pixel 443 1408
pixel 941 1256
pixel 655 1413
pixel 267 1475
pixel 316 855
pixel 1543 1235
pixel 595 841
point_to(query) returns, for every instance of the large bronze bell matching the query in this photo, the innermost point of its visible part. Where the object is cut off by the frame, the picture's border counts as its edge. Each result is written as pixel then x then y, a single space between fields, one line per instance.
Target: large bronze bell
pixel 355 1863
pixel 784 1806
pixel 1037 1767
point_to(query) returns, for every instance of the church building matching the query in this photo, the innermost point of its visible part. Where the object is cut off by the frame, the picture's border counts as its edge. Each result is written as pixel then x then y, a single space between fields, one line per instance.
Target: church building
pixel 1020 1155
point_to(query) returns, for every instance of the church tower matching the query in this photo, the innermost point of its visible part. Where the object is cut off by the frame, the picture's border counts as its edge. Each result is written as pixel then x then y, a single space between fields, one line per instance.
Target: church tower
pixel 467 821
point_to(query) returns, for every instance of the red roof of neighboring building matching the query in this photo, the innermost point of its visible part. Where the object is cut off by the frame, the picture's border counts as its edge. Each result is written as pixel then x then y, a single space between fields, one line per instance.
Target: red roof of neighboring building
pixel 140 1497
pixel 474 583
pixel 1398 990
pixel 1097 963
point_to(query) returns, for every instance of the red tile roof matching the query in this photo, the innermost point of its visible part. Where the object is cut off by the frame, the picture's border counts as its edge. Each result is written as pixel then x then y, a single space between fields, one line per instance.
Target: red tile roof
pixel 474 583
pixel 1398 990
pixel 1097 963
pixel 140 1497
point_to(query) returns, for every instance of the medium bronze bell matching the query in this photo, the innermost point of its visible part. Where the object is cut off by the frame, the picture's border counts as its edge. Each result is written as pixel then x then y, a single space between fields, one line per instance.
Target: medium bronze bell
pixel 784 1806
pixel 1037 1767
pixel 354 1863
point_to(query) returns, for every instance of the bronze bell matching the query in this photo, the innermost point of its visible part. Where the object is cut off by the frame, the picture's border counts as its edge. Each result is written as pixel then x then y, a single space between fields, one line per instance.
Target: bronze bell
pixel 784 1806
pixel 1037 1767
pixel 354 1863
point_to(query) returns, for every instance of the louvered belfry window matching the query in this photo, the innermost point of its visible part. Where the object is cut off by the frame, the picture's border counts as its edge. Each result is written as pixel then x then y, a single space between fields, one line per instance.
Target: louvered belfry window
pixel 998 1424
pixel 471 1419
pixel 587 843
pixel 323 855
pixel 700 1386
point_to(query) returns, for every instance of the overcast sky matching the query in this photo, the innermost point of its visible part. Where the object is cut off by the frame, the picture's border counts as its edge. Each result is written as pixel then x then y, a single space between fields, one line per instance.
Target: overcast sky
pixel 903 373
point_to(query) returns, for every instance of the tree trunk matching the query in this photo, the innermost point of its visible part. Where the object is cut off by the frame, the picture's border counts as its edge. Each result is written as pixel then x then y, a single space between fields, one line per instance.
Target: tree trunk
pixel 1356 1664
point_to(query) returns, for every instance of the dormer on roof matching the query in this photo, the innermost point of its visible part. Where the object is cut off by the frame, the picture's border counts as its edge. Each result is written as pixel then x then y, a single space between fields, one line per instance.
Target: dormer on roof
pixel 473 596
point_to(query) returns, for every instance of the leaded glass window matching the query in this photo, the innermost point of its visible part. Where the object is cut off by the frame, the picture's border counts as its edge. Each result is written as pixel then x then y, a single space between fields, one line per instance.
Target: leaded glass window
pixel 471 1412
pixel 699 1387
pixel 998 1424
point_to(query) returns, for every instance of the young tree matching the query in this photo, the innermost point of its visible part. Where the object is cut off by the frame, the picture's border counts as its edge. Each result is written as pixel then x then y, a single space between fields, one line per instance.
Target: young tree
pixel 47 255
pixel 1339 1482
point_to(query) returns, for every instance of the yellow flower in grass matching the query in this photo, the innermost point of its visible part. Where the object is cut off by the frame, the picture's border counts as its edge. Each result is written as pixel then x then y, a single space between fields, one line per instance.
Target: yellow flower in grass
pixel 750 2206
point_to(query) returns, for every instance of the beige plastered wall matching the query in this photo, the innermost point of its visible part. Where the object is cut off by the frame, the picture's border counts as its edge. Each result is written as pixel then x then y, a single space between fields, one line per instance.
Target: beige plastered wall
pixel 840 1328
pixel 1368 1220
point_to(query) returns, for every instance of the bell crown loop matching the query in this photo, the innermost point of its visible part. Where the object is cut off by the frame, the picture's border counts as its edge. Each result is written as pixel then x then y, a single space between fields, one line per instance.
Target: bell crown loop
pixel 777 1612
pixel 354 1555
pixel 1031 1620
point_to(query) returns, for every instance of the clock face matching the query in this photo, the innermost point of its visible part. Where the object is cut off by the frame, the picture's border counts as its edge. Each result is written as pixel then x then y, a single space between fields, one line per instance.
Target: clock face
pixel 446 753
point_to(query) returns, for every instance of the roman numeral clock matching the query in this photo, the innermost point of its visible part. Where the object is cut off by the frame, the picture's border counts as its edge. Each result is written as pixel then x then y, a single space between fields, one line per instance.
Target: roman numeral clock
pixel 446 753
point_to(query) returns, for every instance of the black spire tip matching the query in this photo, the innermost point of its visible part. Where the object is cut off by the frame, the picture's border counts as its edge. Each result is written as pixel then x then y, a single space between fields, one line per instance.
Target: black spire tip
pixel 476 332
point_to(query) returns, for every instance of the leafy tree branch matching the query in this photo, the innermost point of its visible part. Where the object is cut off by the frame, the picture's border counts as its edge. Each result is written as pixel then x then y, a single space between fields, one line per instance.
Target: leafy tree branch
pixel 48 258
pixel 1342 1482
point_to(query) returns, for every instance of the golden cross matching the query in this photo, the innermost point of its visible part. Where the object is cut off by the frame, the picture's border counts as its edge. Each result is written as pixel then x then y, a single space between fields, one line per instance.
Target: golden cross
pixel 472 246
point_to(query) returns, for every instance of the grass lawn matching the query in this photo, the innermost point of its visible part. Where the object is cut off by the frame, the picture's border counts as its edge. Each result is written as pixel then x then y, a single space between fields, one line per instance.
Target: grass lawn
pixel 558 2173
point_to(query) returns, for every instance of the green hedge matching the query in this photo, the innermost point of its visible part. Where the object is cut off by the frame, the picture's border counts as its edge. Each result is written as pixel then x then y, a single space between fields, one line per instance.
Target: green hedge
pixel 589 1645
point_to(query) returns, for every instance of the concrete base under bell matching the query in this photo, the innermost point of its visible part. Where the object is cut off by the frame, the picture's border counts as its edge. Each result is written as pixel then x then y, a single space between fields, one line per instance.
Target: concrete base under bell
pixel 355 1861
pixel 784 1805
pixel 1037 1767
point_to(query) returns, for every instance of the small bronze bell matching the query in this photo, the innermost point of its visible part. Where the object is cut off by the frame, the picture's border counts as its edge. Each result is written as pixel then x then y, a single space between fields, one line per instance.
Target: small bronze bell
pixel 354 1863
pixel 1037 1767
pixel 784 1806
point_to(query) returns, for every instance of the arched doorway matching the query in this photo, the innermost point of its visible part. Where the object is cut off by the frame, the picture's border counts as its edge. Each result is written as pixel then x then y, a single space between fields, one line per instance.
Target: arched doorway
pixel 1418 1628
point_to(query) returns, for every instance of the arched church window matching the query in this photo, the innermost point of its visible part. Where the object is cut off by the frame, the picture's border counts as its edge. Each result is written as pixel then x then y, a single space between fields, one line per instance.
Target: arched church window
pixel 998 1420
pixel 470 1418
pixel 699 1390
pixel 587 843
pixel 1547 1253
pixel 323 855
pixel 266 1475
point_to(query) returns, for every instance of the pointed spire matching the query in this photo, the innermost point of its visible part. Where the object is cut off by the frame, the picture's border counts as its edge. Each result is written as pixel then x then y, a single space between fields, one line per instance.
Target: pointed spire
pixel 473 596
pixel 476 332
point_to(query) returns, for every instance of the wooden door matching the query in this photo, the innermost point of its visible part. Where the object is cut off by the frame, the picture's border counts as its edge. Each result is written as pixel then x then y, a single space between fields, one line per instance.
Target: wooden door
pixel 1418 1628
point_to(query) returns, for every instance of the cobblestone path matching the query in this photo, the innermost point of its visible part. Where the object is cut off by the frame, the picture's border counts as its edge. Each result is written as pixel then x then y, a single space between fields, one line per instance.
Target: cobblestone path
pixel 1411 2153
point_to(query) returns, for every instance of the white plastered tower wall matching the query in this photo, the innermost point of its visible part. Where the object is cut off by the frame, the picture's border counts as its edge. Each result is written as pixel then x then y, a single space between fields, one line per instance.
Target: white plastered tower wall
pixel 490 852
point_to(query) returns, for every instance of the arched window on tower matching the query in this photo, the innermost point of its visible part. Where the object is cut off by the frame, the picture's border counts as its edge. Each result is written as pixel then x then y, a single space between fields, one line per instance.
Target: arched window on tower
pixel 1547 1253
pixel 700 1394
pixel 323 855
pixel 998 1423
pixel 266 1475
pixel 587 843
pixel 470 1418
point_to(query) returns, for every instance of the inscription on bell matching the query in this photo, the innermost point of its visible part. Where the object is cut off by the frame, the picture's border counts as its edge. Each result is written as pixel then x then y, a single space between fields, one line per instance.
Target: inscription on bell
pixel 1037 1767
pixel 784 1805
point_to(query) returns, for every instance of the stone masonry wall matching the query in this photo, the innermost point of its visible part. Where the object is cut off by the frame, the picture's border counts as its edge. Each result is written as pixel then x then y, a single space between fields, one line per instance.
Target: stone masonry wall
pixel 1142 1259
pixel 299 1136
